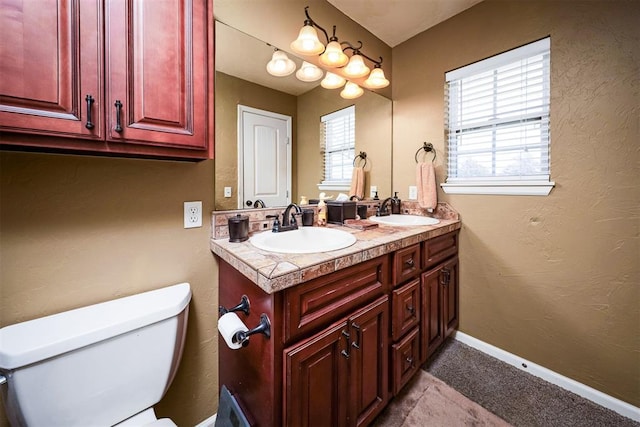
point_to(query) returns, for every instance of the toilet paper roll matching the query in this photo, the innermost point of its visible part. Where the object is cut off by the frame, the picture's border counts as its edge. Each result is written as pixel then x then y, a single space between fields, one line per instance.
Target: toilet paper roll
pixel 229 324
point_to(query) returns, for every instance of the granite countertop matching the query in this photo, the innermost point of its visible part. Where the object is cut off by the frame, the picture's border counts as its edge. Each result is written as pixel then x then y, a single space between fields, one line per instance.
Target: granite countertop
pixel 273 271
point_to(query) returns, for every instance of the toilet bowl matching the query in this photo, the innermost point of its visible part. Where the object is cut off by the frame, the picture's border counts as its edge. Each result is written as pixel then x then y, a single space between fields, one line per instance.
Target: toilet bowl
pixel 102 365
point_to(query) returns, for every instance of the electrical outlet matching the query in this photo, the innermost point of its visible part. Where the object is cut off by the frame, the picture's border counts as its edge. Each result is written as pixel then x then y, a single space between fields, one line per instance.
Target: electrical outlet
pixel 192 214
pixel 374 189
pixel 227 191
pixel 413 192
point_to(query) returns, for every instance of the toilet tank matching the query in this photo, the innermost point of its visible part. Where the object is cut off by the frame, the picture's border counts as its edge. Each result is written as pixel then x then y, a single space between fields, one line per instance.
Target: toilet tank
pixel 96 365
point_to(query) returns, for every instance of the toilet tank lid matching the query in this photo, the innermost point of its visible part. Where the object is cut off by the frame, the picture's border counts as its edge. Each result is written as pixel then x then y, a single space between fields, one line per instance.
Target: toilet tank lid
pixel 39 339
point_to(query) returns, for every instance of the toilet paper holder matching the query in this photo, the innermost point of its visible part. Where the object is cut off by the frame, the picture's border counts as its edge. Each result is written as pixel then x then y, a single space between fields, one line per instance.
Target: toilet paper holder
pixel 264 327
pixel 243 306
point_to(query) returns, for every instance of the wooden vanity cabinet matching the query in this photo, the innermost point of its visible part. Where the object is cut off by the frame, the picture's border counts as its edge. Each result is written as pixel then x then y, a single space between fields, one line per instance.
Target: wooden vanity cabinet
pixel 341 343
pixel 338 377
pixel 439 304
pixel 405 319
pixel 107 76
pixel 327 360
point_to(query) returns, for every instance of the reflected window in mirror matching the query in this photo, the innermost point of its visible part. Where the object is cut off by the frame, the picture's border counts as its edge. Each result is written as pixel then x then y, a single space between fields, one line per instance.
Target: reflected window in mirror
pixel 337 146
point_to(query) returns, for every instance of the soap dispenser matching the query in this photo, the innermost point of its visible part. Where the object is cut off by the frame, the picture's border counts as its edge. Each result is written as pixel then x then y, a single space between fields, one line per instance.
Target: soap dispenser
pixel 395 204
pixel 322 211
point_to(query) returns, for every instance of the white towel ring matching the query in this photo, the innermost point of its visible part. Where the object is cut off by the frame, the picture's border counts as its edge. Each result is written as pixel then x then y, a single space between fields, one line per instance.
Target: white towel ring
pixel 426 147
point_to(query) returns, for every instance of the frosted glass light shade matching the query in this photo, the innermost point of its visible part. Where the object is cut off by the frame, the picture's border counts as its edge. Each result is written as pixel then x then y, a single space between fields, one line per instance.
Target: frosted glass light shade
pixel 332 81
pixel 356 67
pixel 376 79
pixel 333 55
pixel 280 64
pixel 307 42
pixel 308 72
pixel 351 91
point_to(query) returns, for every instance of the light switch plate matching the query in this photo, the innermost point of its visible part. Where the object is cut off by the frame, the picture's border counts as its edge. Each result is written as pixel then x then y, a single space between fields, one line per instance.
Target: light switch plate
pixel 374 188
pixel 413 192
pixel 227 191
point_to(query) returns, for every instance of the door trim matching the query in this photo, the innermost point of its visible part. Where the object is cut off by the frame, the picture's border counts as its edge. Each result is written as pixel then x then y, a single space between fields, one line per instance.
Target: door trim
pixel 240 149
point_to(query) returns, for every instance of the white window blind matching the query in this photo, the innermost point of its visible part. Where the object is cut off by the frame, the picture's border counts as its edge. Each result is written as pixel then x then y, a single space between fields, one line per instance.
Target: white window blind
pixel 337 144
pixel 497 122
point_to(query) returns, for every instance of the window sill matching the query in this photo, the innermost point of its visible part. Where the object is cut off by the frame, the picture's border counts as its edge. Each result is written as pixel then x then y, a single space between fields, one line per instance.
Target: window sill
pixel 334 186
pixel 518 188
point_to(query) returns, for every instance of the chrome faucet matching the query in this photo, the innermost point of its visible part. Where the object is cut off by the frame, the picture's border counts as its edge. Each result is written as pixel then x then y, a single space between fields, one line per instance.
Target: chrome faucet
pixel 382 209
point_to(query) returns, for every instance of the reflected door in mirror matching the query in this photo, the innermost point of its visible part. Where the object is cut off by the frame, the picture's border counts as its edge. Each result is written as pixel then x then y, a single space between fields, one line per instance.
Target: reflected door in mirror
pixel 265 158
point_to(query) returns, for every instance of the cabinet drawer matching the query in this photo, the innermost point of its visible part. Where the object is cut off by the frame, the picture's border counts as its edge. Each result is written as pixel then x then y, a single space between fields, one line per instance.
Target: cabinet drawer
pixel 406 264
pixel 314 304
pixel 406 308
pixel 405 359
pixel 439 249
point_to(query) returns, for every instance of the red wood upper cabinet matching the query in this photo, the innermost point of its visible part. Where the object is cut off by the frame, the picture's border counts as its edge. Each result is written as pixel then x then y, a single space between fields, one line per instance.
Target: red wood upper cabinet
pixel 51 68
pixel 156 74
pixel 132 75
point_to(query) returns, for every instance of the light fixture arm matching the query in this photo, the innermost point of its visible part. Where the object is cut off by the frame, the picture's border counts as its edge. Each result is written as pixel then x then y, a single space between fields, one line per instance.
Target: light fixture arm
pixel 311 22
pixel 356 51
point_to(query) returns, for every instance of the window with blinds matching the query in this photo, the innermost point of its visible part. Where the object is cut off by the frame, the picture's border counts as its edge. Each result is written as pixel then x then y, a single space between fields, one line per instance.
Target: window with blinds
pixel 497 123
pixel 337 145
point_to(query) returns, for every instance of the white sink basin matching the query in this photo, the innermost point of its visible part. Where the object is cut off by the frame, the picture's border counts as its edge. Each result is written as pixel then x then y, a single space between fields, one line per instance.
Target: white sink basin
pixel 404 220
pixel 304 240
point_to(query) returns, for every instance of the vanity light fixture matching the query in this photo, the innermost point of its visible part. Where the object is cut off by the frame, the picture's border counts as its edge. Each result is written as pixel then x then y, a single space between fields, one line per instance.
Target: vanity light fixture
pixel 356 66
pixel 376 79
pixel 308 72
pixel 351 91
pixel 280 64
pixel 332 81
pixel 307 42
pixel 334 56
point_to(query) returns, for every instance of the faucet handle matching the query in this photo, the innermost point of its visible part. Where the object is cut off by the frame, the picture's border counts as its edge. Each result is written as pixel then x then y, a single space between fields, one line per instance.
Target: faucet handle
pixel 276 221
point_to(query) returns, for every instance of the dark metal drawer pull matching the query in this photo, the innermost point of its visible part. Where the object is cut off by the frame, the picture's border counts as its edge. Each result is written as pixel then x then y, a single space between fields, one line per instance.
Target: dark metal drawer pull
pixel 118 105
pixel 90 100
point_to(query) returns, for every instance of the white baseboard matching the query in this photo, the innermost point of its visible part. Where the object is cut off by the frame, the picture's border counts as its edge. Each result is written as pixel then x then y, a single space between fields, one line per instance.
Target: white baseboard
pixel 209 422
pixel 602 399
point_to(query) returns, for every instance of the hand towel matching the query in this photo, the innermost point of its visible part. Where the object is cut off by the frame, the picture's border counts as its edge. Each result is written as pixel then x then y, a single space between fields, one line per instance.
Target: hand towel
pixel 426 183
pixel 357 182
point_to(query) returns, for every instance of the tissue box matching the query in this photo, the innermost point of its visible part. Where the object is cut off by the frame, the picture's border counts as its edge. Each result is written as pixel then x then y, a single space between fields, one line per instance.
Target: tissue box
pixel 337 212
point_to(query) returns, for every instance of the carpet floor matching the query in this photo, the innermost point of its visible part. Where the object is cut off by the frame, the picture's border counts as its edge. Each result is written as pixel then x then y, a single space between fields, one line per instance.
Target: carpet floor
pixel 461 386
pixel 514 395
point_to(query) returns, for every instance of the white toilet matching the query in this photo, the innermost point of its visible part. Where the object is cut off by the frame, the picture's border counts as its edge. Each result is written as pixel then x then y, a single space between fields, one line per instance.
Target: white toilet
pixel 102 365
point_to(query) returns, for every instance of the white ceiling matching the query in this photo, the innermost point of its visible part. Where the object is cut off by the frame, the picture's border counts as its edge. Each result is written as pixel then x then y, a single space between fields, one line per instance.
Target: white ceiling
pixel 395 21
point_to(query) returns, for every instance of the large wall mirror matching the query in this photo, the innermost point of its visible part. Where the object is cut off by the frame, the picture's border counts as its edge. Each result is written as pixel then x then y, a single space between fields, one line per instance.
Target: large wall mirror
pixel 242 79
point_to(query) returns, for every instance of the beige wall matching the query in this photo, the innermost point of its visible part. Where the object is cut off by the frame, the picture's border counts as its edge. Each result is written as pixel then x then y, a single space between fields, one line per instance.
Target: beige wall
pixel 552 279
pixel 231 92
pixel 373 136
pixel 77 230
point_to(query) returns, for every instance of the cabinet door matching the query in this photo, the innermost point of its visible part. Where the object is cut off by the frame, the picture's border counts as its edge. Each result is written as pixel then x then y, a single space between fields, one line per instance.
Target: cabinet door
pixel 369 362
pixel 405 357
pixel 316 387
pixel 156 72
pixel 432 331
pixel 449 280
pixel 50 62
pixel 406 309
